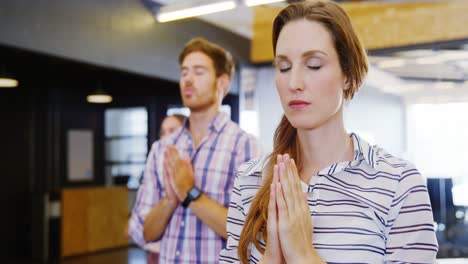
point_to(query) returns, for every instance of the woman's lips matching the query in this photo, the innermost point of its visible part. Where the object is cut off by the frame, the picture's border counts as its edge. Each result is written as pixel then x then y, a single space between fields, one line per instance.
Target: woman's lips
pixel 298 104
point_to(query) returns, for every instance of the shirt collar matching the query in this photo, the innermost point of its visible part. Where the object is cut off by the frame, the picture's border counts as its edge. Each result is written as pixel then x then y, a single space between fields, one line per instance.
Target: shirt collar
pixel 362 151
pixel 219 121
pixel 216 124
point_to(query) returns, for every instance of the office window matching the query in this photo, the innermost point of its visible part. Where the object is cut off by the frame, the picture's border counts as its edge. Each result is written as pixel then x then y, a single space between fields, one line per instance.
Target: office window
pixel 438 143
pixel 126 141
pixel 177 109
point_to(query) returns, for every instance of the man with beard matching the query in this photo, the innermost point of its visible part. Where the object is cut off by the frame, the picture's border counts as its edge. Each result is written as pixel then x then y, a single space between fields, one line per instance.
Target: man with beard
pixel 189 175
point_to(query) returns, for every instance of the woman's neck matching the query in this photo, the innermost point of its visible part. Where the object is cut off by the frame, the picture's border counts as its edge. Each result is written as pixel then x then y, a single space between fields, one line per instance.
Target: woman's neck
pixel 324 146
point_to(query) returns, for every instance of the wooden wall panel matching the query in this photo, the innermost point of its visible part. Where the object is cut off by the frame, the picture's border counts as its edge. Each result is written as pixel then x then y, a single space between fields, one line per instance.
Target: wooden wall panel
pixel 93 219
pixel 74 230
pixel 380 25
pixel 107 219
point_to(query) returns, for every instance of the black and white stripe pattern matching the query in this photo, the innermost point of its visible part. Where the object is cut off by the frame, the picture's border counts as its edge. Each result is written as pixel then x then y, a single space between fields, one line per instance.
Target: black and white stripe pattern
pixel 374 209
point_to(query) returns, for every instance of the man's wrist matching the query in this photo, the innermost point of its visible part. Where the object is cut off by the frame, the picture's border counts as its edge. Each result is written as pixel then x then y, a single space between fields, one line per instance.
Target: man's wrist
pixel 192 194
pixel 185 193
pixel 171 202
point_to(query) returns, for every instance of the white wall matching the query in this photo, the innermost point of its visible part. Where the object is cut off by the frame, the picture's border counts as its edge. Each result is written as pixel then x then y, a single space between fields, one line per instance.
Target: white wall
pixel 269 107
pixel 378 118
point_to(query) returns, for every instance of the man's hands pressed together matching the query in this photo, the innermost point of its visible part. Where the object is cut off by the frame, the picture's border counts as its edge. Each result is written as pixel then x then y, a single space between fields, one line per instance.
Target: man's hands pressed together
pixel 178 175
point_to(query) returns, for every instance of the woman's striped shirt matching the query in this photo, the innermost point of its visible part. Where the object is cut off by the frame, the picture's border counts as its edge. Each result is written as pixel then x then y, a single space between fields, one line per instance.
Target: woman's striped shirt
pixel 373 209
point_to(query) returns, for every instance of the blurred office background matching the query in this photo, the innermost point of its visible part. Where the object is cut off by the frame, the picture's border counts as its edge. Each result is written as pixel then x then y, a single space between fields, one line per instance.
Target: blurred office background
pixel 71 167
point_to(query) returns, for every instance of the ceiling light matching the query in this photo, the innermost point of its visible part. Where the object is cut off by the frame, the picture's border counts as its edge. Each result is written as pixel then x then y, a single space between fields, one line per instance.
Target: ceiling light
pixel 403 88
pixel 6 80
pixel 260 2
pixel 8 83
pixel 443 57
pixel 444 85
pixel 392 63
pixel 197 8
pixel 99 97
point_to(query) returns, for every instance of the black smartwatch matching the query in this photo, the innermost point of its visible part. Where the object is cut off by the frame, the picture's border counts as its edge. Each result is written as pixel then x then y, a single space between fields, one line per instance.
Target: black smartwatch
pixel 193 194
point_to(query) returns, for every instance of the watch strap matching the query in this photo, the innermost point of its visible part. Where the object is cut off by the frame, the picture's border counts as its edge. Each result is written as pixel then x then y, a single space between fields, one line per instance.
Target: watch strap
pixel 193 194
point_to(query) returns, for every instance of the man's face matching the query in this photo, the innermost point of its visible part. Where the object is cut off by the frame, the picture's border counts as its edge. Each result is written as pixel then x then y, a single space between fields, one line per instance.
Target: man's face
pixel 198 82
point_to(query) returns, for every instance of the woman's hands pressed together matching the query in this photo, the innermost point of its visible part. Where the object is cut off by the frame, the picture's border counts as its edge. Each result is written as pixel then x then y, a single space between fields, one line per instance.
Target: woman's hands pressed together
pixel 289 225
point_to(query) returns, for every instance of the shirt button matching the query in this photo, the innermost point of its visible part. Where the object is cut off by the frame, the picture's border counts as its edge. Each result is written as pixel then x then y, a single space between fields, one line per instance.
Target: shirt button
pixel 177 253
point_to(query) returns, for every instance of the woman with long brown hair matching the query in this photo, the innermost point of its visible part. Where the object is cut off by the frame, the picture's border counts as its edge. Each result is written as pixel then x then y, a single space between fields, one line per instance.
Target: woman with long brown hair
pixel 324 195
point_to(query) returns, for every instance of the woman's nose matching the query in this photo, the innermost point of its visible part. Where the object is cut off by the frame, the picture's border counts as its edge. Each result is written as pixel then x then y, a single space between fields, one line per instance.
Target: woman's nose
pixel 296 81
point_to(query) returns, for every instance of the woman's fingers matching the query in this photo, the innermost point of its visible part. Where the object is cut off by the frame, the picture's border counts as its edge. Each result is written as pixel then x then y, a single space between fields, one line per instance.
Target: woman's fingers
pixel 279 158
pixel 285 186
pixel 283 214
pixel 273 249
pixel 272 224
pixel 295 182
pixel 302 196
pixel 290 184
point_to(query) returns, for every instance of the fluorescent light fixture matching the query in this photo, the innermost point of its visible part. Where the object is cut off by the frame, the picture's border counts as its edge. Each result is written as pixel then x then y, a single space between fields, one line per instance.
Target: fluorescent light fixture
pixel 392 63
pixel 99 98
pixel 8 83
pixel 403 88
pixel 198 8
pixel 444 85
pixel 260 2
pixel 443 57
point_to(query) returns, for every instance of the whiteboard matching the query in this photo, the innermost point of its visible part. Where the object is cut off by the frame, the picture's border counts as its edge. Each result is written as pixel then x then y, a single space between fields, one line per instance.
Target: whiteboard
pixel 80 155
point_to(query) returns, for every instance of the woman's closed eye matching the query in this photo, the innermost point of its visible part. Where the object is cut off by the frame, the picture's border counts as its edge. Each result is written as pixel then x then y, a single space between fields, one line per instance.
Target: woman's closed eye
pixel 313 64
pixel 314 67
pixel 283 66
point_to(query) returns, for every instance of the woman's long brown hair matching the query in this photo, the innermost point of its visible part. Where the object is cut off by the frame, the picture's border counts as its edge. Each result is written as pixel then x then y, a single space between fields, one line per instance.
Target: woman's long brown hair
pixel 353 62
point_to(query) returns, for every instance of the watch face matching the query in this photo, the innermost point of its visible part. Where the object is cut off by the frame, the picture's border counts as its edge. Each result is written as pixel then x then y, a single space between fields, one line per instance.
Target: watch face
pixel 194 193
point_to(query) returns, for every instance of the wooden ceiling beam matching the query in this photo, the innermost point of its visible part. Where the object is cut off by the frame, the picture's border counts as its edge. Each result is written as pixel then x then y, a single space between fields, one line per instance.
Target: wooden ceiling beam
pixel 380 25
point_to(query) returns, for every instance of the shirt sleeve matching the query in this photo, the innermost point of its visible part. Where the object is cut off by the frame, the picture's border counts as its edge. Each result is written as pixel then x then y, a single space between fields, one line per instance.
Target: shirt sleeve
pixel 235 222
pixel 250 150
pixel 410 228
pixel 149 194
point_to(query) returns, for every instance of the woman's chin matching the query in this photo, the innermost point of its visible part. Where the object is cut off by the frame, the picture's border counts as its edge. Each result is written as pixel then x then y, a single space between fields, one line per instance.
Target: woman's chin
pixel 302 122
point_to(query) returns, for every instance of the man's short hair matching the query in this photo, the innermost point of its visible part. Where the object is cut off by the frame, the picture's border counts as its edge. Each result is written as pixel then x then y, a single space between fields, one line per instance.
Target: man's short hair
pixel 222 59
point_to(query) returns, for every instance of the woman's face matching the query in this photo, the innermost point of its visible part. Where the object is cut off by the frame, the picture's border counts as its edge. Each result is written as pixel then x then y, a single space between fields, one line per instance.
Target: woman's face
pixel 308 75
pixel 169 125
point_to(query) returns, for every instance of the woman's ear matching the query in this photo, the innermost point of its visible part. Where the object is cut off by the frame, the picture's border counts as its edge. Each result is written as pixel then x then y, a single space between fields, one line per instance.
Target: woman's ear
pixel 347 84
